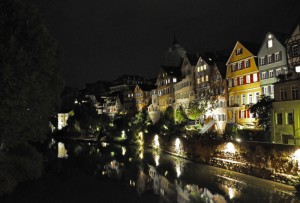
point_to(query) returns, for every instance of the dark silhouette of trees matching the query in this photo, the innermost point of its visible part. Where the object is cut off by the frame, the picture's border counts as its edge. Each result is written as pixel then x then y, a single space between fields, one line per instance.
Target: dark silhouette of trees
pixel 262 110
pixel 30 88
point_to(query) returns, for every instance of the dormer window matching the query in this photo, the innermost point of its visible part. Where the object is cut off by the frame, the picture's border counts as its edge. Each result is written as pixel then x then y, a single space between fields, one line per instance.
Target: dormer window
pixel 270 41
pixel 239 51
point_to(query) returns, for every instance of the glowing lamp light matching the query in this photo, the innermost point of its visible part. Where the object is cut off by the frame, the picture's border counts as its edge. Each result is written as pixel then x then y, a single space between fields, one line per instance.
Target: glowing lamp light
pixel 123 151
pixel 178 170
pixel 123 134
pixel 238 140
pixel 297 68
pixel 296 157
pixel 230 148
pixel 156 142
pixel 62 152
pixel 231 193
pixel 156 159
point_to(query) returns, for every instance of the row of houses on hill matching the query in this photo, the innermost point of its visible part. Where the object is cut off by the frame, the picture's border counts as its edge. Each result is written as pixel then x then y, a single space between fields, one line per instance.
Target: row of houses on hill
pixel 230 84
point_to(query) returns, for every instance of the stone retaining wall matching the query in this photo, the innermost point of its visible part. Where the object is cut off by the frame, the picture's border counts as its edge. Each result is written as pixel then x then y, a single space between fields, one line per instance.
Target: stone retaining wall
pixel 270 161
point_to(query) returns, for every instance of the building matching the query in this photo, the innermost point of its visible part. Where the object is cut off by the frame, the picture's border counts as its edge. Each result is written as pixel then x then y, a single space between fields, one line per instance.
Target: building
pixel 142 96
pixel 174 55
pixel 285 123
pixel 243 84
pixel 114 104
pixel 153 108
pixel 292 44
pixel 272 61
pixel 184 89
pixel 62 119
pixel 203 70
pixel 167 78
pixel 218 94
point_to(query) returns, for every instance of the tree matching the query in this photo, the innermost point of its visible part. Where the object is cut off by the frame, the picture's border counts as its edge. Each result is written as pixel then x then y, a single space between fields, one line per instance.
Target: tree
pixel 196 109
pixel 180 116
pixel 262 110
pixel 29 75
pixel 30 86
pixel 168 119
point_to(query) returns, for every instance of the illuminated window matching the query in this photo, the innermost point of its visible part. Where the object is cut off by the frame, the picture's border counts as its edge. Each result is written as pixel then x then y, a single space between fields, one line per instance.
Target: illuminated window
pixel 294 92
pixel 279 118
pixel 263 75
pixel 239 51
pixel 239 65
pixel 262 61
pixel 257 96
pixel 247 63
pixel 231 100
pixel 255 77
pixel 238 99
pixel 244 99
pixel 242 114
pixel 202 78
pixel 235 81
pixel 248 79
pixel 277 56
pixel 174 79
pixel 198 80
pixel 206 78
pixel 250 98
pixel 270 43
pixel 271 72
pixel 270 59
pixel 204 67
pixel 229 83
pixel 201 68
pixel 241 80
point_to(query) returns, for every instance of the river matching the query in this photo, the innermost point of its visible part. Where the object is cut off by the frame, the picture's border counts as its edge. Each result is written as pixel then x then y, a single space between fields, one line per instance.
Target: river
pixel 170 178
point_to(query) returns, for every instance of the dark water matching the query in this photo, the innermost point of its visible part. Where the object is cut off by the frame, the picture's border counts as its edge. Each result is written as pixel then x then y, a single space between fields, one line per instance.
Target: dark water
pixel 169 178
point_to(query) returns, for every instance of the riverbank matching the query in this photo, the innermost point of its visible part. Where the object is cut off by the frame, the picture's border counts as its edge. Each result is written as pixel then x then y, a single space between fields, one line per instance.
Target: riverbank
pixel 279 163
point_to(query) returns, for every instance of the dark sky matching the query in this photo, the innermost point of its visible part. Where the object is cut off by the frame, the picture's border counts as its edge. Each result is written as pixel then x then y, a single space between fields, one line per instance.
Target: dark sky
pixel 102 40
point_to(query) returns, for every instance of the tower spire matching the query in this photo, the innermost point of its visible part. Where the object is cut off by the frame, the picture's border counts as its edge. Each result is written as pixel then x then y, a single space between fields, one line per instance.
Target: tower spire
pixel 175 39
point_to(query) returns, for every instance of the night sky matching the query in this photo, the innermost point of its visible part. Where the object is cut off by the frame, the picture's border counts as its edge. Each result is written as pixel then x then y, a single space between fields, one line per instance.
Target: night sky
pixel 102 40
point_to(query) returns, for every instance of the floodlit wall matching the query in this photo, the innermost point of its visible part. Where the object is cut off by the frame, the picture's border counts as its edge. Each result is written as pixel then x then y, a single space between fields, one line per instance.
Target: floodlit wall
pixel 276 162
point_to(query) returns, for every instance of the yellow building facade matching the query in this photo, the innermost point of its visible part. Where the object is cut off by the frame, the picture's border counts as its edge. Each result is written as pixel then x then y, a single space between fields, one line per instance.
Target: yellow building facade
pixel 243 84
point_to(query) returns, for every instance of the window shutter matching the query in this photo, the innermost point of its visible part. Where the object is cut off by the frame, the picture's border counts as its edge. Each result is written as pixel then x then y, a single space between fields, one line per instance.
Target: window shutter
pixel 262 90
pixel 258 77
pixel 259 61
pixel 251 78
pixel 249 63
pixel 238 81
pixel 245 81
pixel 273 58
pixel 280 55
pixel 248 112
pixel 266 59
pixel 239 114
pixel 243 64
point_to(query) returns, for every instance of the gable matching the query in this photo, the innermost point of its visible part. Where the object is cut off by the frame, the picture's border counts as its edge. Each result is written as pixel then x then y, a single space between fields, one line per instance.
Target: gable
pixel 276 45
pixel 238 53
pixel 295 35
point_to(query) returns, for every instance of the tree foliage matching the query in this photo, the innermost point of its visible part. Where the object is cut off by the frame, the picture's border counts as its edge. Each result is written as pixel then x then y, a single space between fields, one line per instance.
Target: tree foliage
pixel 180 116
pixel 29 76
pixel 196 109
pixel 30 88
pixel 262 110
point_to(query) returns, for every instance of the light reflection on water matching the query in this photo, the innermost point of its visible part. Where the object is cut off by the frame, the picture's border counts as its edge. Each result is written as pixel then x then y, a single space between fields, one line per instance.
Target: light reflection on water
pixel 175 179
